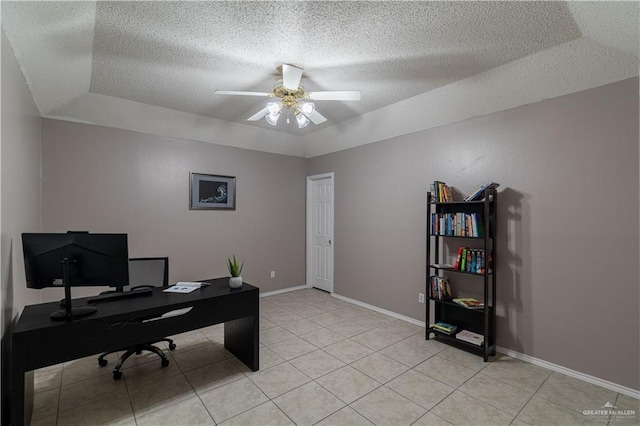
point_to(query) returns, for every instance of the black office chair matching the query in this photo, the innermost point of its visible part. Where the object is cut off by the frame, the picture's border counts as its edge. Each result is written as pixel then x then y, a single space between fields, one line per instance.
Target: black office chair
pixel 143 272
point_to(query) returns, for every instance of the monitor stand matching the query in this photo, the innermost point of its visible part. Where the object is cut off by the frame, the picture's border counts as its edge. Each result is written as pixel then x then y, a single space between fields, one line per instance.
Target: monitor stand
pixel 70 312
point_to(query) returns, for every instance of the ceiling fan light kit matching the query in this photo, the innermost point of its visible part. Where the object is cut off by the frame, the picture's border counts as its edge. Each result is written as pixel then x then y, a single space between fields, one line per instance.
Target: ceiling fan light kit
pixel 272 118
pixel 293 98
pixel 274 107
pixel 308 108
pixel 303 121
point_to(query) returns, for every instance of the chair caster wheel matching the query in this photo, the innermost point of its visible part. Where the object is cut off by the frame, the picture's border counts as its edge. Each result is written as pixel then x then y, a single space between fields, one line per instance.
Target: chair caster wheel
pixel 102 362
pixel 172 346
pixel 117 375
pixel 165 362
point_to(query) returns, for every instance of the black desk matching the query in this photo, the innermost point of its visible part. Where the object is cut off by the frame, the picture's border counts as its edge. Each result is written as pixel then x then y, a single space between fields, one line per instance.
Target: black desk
pixel 37 341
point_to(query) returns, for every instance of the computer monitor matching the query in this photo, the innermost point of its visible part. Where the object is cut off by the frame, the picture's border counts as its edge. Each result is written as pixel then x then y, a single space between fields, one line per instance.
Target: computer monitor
pixel 75 259
pixel 148 272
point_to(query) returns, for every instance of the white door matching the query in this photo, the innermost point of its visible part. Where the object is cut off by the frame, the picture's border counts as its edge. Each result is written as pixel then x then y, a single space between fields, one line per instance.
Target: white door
pixel 320 231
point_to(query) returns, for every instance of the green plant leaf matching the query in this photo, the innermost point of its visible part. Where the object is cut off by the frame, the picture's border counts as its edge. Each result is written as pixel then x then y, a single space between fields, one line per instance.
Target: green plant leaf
pixel 234 267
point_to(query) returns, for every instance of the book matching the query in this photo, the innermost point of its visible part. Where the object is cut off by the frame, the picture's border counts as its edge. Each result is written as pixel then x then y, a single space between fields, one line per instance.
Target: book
pixel 441 192
pixel 443 327
pixel 448 196
pixel 479 194
pixel 466 231
pixel 476 224
pixel 458 258
pixel 442 330
pixel 445 288
pixel 442 265
pixel 185 287
pixel 470 337
pixel 463 262
pixel 459 224
pixel 469 302
pixel 440 288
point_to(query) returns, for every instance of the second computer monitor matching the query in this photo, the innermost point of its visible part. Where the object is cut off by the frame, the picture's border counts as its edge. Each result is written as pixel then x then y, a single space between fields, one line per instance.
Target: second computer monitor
pixel 148 272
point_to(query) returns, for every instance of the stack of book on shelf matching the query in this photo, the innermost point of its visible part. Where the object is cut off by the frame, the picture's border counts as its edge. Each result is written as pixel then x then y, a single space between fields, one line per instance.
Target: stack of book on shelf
pixel 469 302
pixel 479 194
pixel 471 337
pixel 473 261
pixel 441 192
pixel 457 224
pixel 440 288
pixel 445 328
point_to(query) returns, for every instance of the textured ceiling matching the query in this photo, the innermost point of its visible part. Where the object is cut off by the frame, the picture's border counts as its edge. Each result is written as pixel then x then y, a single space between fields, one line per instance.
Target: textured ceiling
pixel 176 54
pixel 90 61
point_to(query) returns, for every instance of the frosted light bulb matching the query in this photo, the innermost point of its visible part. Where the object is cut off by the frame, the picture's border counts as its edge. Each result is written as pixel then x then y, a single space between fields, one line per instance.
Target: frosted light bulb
pixel 302 121
pixel 272 118
pixel 274 107
pixel 308 108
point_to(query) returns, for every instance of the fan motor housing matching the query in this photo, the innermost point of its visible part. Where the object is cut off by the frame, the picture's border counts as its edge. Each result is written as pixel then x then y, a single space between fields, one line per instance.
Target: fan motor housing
pixel 289 97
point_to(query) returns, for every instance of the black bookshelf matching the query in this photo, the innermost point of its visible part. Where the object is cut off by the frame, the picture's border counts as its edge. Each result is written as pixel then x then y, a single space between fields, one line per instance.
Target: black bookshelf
pixel 481 321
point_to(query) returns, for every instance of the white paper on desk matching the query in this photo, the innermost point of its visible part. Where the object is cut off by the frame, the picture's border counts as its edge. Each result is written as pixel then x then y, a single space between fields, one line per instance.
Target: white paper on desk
pixel 183 287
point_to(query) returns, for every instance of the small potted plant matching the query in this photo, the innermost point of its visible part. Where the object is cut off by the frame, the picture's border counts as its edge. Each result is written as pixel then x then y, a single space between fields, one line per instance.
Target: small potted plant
pixel 235 269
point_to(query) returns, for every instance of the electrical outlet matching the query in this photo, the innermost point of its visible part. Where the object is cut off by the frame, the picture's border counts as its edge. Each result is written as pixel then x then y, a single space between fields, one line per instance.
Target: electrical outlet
pixel 421 297
pixel 273 274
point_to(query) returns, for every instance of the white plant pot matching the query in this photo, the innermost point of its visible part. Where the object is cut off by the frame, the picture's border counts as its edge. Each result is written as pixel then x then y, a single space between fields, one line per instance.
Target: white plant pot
pixel 235 282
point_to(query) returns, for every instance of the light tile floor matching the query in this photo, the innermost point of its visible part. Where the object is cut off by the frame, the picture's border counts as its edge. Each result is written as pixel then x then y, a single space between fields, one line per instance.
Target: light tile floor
pixel 323 361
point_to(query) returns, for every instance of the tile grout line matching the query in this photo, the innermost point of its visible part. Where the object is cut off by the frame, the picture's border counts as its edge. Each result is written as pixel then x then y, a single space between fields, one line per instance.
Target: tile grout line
pixel 532 396
pixel 301 302
pixel 59 394
pixel 457 388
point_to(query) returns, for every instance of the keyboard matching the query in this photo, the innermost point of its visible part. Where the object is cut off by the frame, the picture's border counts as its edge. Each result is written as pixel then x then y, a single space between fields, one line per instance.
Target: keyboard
pixel 108 297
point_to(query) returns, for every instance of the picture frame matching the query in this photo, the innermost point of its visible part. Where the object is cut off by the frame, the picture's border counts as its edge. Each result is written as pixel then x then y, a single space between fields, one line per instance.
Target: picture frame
pixel 212 192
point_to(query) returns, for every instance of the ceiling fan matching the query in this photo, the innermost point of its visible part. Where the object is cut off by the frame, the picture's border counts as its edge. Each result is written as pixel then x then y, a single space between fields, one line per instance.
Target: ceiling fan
pixel 289 95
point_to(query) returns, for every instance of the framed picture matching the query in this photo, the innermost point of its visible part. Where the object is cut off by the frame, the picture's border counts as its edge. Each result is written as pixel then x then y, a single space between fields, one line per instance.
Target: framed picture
pixel 213 192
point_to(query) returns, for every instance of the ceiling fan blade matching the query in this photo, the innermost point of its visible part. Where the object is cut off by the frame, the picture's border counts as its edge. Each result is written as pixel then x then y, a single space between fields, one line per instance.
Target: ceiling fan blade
pixel 341 95
pixel 315 117
pixel 291 77
pixel 240 93
pixel 258 115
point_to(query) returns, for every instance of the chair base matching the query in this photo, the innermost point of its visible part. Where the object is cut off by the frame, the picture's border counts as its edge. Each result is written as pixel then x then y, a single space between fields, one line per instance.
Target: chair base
pixel 137 349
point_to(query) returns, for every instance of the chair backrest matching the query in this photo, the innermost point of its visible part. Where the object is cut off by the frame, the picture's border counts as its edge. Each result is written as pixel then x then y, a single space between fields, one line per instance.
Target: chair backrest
pixel 148 271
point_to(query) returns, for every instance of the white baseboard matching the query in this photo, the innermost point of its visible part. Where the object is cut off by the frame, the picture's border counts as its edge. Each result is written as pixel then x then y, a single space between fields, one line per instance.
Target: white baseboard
pixel 571 373
pixel 527 358
pixel 282 290
pixel 382 311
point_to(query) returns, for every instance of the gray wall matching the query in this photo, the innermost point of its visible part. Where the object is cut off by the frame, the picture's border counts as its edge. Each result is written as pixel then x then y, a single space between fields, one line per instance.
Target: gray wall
pixel 20 188
pixel 559 162
pixel 109 180
pixel 21 179
pixel 568 222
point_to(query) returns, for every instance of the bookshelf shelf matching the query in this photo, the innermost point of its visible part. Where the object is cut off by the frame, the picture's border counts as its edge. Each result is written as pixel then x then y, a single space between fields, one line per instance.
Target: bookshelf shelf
pixel 450 303
pixel 451 339
pixel 457 271
pixel 481 252
pixel 460 236
pixel 457 202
